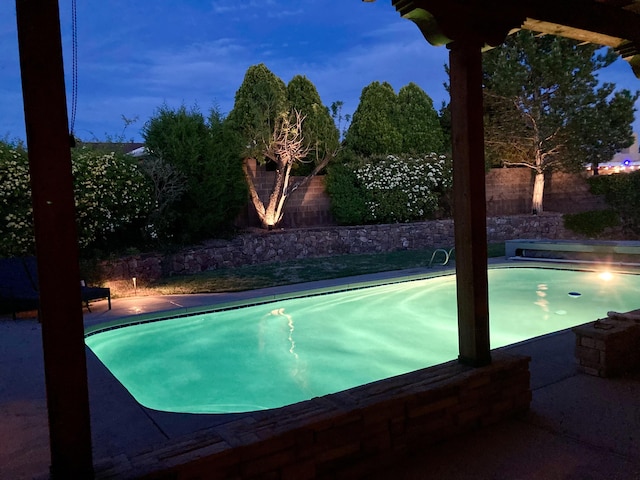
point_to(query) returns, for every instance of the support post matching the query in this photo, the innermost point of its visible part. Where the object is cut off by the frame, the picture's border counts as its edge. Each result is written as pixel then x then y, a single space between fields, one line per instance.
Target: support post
pixel 56 237
pixel 469 202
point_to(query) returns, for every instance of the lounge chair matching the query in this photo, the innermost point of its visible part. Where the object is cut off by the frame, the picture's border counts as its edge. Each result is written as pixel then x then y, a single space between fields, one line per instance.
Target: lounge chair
pixel 19 286
pixel 94 293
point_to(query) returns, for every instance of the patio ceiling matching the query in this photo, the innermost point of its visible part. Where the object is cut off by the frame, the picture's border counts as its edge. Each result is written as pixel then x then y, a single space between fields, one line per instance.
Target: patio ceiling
pixel 611 23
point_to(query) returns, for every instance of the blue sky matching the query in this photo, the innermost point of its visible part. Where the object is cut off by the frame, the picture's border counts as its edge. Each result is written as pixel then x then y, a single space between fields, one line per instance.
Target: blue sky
pixel 135 56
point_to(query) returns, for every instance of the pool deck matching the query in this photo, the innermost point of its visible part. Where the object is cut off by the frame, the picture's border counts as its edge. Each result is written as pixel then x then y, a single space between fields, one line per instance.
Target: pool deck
pixel 579 426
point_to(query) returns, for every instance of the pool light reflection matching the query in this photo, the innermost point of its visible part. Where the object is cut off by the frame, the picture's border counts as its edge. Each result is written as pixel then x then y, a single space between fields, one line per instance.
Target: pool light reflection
pixel 606 276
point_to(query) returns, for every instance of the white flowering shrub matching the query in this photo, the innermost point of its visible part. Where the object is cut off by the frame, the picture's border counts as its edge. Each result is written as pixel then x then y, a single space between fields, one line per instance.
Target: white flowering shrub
pixel 16 222
pixel 403 189
pixel 111 194
pixel 384 189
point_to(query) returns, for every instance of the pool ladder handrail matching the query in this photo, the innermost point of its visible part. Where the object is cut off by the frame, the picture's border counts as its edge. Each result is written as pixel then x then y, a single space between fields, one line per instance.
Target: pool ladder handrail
pixel 447 255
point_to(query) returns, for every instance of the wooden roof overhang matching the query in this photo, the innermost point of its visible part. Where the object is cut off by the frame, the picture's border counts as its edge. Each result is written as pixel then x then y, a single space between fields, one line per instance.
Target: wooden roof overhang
pixel 611 23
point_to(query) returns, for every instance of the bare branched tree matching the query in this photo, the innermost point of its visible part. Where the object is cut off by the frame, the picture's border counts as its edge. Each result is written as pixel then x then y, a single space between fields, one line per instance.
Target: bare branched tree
pixel 285 148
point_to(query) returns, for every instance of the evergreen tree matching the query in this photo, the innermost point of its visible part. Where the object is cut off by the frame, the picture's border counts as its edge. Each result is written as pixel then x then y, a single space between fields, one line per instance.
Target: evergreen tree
pixel 373 128
pixel 318 129
pixel 417 122
pixel 385 123
pixel 208 162
pixel 544 108
pixel 260 102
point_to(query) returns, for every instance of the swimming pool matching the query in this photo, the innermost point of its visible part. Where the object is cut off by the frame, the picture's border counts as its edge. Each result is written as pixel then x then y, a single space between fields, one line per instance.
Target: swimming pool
pixel 278 353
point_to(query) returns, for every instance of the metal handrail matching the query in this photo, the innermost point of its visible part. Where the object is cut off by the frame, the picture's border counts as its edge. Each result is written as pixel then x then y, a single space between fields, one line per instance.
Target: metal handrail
pixel 447 256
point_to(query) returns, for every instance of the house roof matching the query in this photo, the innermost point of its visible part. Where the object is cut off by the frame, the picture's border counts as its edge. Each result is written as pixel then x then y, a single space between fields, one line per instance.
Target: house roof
pixel 120 147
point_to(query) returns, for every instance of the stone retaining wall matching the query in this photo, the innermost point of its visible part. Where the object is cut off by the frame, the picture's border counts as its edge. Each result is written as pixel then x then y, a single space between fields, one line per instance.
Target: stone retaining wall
pixel 351 434
pixel 263 246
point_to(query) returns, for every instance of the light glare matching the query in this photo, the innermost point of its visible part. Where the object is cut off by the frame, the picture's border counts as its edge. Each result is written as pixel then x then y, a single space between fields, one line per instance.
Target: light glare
pixel 606 276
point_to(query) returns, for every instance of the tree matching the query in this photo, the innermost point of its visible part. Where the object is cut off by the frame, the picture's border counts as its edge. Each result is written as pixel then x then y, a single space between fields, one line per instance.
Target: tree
pixel 321 136
pixel 622 192
pixel 385 123
pixel 197 174
pixel 338 117
pixel 544 108
pixel 611 110
pixel 285 125
pixel 373 129
pixel 417 121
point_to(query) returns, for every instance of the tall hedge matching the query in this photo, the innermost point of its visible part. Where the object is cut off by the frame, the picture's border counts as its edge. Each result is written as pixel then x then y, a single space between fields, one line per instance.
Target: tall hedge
pixel 207 155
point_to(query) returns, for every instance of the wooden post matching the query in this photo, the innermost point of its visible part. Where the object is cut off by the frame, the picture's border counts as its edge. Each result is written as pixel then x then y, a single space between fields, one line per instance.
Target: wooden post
pixel 469 202
pixel 56 237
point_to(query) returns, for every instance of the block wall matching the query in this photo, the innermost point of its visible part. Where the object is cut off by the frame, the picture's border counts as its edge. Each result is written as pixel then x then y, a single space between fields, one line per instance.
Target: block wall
pixel 508 192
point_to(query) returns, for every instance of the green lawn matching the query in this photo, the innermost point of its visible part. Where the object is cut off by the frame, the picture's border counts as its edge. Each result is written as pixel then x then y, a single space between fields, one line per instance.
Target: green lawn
pixel 297 271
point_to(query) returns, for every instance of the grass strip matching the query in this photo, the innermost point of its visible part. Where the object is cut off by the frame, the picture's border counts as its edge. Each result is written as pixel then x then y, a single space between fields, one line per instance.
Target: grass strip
pixel 251 277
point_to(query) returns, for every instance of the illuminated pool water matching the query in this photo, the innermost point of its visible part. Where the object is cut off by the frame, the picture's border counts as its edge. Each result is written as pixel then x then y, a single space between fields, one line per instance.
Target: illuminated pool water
pixel 275 354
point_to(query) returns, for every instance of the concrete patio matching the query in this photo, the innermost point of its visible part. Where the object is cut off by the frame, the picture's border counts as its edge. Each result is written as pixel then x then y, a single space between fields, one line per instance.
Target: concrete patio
pixel 578 427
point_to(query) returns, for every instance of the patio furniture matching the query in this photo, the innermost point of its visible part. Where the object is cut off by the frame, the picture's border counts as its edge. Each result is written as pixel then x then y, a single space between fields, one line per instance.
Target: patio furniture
pixel 19 287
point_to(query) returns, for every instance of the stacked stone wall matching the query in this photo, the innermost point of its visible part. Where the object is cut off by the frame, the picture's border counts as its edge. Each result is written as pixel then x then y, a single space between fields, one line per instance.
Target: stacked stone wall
pixel 261 246
pixel 609 347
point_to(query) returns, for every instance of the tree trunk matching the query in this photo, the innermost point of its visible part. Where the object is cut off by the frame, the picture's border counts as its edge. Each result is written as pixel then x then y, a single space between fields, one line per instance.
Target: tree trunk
pixel 271 211
pixel 538 191
pixel 253 193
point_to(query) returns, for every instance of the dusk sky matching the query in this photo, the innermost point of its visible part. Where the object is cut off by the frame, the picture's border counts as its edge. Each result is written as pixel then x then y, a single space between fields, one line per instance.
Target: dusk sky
pixel 135 56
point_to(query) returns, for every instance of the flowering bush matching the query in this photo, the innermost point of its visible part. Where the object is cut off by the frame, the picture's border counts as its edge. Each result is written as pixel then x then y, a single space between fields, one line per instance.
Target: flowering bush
pixel 16 224
pixel 111 193
pixel 403 189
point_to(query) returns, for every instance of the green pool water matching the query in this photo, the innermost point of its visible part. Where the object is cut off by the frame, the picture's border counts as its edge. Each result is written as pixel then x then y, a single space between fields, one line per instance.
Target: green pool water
pixel 275 354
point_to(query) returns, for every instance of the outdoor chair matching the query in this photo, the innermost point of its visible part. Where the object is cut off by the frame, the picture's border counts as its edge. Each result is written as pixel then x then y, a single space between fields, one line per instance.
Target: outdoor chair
pixel 19 287
pixel 94 293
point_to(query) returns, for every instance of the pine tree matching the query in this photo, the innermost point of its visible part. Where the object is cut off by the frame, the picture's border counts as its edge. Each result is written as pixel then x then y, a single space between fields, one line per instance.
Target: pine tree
pixel 373 127
pixel 417 122
pixel 545 110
